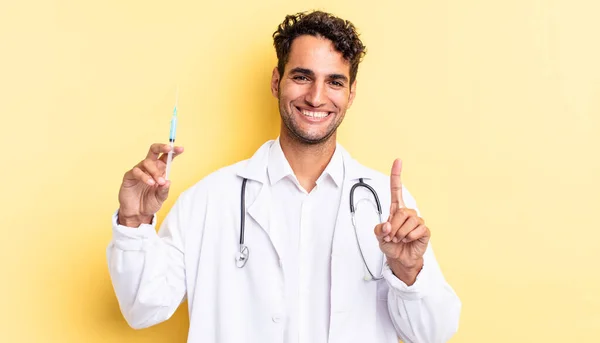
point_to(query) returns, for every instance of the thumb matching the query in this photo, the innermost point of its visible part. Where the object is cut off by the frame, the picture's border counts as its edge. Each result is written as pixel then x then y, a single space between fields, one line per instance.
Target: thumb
pixel 396 187
pixel 382 230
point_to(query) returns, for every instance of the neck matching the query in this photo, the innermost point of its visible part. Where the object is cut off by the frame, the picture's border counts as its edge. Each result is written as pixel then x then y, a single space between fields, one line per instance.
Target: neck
pixel 307 160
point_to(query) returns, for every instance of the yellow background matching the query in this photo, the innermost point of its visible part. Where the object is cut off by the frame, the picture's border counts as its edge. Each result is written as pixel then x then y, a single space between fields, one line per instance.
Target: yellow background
pixel 493 105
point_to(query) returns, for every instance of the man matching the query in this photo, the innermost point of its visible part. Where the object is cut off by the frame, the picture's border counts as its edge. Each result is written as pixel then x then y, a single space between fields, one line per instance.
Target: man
pixel 267 250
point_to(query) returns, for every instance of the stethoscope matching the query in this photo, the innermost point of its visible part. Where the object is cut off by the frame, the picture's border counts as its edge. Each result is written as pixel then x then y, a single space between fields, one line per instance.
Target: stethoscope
pixel 241 257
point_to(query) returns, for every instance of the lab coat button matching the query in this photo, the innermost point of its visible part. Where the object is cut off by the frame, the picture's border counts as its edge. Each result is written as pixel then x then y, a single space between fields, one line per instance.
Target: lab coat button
pixel 276 318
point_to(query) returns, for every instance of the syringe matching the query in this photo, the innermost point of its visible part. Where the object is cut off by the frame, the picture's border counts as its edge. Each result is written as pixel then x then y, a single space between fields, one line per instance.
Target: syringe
pixel 172 135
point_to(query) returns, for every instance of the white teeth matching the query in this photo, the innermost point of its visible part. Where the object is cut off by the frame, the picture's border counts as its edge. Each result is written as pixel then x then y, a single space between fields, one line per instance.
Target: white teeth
pixel 315 114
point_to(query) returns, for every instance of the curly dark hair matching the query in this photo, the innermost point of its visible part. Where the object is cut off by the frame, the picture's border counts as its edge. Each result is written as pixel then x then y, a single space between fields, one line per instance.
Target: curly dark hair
pixel 319 24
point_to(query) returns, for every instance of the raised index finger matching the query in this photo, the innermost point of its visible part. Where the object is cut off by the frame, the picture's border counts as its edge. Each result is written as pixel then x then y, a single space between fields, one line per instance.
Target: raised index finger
pixel 396 186
pixel 156 149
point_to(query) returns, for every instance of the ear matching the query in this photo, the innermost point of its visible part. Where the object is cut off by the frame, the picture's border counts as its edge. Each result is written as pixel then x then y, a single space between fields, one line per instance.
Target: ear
pixel 352 93
pixel 275 82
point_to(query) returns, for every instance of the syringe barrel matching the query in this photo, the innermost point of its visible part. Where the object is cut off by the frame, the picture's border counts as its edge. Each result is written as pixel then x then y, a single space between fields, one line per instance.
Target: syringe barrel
pixel 173 128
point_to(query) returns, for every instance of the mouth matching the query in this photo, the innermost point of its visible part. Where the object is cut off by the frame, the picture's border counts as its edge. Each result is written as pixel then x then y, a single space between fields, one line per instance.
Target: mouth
pixel 313 116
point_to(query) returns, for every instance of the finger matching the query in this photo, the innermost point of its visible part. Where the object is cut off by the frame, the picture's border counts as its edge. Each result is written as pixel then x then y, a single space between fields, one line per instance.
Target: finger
pixel 421 231
pixel 163 191
pixel 156 149
pixel 398 219
pixel 396 186
pixel 149 166
pixel 382 230
pixel 138 174
pixel 176 152
pixel 409 225
pixel 129 175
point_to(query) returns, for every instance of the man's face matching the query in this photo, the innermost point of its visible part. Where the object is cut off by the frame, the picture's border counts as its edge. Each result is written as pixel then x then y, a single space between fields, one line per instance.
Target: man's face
pixel 314 92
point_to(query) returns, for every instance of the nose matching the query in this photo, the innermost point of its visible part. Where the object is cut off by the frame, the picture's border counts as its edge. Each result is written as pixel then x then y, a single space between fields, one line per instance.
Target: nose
pixel 316 95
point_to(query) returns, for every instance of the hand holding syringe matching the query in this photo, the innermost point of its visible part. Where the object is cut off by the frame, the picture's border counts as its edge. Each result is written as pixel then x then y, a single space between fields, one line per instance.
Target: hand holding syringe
pixel 146 186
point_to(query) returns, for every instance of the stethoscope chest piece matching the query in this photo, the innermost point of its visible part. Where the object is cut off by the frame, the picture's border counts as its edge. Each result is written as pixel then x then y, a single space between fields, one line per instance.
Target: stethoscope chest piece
pixel 241 257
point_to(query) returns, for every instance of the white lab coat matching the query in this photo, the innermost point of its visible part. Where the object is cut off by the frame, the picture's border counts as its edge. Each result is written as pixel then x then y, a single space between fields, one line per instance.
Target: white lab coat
pixel 193 255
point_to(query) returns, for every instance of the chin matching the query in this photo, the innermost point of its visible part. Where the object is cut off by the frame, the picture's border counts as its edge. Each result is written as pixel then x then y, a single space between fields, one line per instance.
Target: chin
pixel 313 139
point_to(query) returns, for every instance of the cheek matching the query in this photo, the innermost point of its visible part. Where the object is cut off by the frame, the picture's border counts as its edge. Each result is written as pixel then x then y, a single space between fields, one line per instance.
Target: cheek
pixel 339 99
pixel 290 91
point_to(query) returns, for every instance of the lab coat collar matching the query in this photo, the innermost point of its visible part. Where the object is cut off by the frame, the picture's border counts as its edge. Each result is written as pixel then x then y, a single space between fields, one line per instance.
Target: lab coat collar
pixel 256 167
pixel 335 167
pixel 279 166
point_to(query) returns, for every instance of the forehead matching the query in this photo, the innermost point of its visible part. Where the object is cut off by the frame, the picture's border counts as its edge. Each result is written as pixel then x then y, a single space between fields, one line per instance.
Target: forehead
pixel 317 54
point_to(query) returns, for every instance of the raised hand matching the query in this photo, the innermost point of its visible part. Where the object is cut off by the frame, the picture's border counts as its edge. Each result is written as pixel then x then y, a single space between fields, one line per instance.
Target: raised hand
pixel 403 238
pixel 144 188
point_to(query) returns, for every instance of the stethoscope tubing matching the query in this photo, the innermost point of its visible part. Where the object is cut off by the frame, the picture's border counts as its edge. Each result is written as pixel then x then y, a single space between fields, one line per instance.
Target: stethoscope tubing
pixel 244 252
pixel 361 183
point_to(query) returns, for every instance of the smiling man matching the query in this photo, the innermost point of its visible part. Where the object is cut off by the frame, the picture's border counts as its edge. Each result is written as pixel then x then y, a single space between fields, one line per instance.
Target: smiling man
pixel 276 248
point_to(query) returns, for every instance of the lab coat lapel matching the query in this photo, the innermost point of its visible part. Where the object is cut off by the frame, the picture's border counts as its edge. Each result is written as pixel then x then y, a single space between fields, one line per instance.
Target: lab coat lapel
pixel 260 208
pixel 258 196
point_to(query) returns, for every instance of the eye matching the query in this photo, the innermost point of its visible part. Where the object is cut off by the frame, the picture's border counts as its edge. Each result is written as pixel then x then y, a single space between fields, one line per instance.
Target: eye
pixel 337 84
pixel 300 78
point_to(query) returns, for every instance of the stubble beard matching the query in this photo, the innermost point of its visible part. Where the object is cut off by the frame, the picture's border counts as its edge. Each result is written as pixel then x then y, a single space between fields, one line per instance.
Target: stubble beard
pixel 296 133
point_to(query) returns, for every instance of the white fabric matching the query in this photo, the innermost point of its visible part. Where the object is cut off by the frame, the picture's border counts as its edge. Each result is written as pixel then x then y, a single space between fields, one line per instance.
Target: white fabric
pixel 307 222
pixel 304 278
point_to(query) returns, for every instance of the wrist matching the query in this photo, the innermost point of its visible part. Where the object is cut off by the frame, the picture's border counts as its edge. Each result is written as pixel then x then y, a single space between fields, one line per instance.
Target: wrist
pixel 407 272
pixel 133 220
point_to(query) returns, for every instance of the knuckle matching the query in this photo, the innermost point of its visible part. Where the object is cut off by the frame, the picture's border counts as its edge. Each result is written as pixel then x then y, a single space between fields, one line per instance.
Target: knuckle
pixel 138 173
pixel 148 164
pixel 402 213
pixel 156 148
pixel 143 176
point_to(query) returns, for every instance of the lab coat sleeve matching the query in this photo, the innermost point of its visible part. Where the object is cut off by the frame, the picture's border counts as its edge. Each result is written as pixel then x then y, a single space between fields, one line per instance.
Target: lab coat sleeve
pixel 147 269
pixel 427 311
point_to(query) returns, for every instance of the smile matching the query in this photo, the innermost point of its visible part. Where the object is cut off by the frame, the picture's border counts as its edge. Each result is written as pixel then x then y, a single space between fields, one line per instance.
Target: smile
pixel 314 115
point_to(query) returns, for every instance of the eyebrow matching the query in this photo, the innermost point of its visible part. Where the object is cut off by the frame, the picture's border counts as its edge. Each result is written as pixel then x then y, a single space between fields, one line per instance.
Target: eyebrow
pixel 310 73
